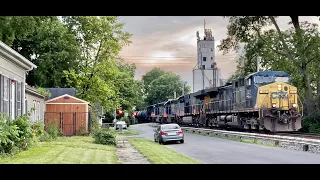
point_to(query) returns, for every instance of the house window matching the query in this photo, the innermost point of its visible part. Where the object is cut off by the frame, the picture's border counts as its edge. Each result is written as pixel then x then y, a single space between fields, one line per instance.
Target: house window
pixel 203 66
pixel 212 66
pixel 204 58
pixel 211 49
pixel 13 100
pixel 6 95
pixel 19 99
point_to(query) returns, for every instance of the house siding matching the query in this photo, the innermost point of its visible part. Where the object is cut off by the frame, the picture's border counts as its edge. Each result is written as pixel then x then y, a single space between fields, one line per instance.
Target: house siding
pixel 32 98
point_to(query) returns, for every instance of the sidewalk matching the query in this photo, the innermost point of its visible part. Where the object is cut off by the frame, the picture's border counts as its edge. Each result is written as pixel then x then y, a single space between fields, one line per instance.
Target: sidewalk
pixel 127 154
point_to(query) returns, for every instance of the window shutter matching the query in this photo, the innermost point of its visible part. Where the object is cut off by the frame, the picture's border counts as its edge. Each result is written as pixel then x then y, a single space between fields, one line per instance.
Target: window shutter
pixel 16 99
pixel 10 96
pixel 1 93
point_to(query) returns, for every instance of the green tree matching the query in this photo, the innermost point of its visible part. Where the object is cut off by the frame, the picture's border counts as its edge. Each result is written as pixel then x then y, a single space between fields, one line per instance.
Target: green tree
pixel 101 39
pixel 46 42
pixel 150 76
pixel 163 88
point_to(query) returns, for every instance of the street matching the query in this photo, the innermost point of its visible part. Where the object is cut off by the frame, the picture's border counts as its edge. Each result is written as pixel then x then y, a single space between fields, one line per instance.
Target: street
pixel 210 150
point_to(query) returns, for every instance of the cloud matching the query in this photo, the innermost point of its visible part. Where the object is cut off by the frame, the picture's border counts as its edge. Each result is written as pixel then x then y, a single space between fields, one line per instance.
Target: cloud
pixel 156 39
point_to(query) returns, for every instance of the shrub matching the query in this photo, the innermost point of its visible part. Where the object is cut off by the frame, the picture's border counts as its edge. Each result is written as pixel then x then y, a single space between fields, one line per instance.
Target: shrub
pixel 104 136
pixel 25 131
pixel 9 135
pixel 53 130
pixel 38 129
pixel 45 137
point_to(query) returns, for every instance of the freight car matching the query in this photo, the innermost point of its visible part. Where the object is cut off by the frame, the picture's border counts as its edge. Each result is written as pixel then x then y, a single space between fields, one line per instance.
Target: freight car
pixel 262 101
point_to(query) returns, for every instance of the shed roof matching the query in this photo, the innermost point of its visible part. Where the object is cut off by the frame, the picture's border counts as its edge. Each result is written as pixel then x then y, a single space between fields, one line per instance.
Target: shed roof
pixel 84 102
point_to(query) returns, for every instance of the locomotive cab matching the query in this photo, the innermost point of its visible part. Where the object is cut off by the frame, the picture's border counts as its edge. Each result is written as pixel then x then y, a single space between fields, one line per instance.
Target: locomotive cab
pixel 277 102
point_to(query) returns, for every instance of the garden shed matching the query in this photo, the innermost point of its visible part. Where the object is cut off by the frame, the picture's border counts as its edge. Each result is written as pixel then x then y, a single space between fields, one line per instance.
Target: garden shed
pixel 71 114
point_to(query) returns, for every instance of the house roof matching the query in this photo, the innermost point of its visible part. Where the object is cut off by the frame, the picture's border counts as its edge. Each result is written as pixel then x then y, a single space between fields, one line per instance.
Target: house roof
pixel 56 92
pixel 85 102
pixel 15 57
pixel 33 91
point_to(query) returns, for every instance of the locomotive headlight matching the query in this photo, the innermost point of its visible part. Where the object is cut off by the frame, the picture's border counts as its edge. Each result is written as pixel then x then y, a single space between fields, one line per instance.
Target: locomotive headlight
pixel 294 105
pixel 264 92
pixel 279 87
pixel 273 105
pixel 293 92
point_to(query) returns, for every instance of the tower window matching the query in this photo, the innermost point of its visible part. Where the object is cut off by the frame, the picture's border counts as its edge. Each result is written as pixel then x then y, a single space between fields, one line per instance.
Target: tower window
pixel 211 58
pixel 203 66
pixel 212 66
pixel 204 58
pixel 211 49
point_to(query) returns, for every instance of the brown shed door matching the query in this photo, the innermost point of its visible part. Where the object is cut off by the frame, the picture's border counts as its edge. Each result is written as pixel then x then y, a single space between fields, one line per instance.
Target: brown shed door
pixel 68 123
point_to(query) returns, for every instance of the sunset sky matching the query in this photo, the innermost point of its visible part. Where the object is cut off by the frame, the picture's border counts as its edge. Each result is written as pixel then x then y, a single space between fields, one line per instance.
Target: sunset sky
pixel 169 42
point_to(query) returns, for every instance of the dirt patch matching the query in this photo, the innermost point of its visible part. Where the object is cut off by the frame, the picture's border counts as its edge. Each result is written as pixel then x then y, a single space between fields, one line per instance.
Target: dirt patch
pixel 127 154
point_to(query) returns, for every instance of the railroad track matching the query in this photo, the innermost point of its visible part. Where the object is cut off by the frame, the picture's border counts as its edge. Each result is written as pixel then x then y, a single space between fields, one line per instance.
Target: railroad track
pixel 289 134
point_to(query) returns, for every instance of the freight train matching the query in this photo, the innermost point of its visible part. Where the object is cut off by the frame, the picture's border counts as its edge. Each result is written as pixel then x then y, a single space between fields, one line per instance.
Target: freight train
pixel 263 100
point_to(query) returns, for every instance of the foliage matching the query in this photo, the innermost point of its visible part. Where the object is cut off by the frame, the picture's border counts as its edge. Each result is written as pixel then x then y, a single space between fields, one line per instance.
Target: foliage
pixel 101 39
pixel 46 42
pixel 44 92
pixel 9 135
pixel 53 130
pixel 150 76
pixel 104 136
pixel 163 88
pixel 25 131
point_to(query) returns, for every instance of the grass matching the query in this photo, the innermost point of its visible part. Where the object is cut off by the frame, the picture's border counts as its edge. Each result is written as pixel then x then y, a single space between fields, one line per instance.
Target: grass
pixel 127 133
pixel 158 154
pixel 234 139
pixel 66 150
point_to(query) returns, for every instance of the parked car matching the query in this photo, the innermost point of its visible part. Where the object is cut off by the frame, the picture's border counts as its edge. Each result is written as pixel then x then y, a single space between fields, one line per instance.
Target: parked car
pixel 168 132
pixel 121 123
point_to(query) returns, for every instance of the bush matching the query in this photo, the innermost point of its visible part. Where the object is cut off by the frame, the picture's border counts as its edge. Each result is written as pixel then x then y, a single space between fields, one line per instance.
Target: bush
pixel 53 130
pixel 25 135
pixel 38 129
pixel 9 135
pixel 311 124
pixel 45 137
pixel 104 136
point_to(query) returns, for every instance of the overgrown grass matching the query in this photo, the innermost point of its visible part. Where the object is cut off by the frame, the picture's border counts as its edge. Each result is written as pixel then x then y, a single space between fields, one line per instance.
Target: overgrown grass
pixel 66 150
pixel 158 154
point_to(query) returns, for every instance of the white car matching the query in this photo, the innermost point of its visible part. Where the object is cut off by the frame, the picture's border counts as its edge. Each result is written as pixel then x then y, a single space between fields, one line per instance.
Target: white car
pixel 121 123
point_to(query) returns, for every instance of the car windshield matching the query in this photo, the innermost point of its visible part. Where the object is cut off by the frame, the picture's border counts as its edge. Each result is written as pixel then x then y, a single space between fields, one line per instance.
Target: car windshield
pixel 270 79
pixel 170 126
pixel 121 122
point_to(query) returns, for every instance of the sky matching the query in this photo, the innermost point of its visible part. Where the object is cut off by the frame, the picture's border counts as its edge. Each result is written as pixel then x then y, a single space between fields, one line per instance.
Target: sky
pixel 169 42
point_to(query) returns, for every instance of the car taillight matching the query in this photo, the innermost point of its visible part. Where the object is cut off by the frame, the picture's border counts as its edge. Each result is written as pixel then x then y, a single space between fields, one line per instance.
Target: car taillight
pixel 163 133
pixel 180 132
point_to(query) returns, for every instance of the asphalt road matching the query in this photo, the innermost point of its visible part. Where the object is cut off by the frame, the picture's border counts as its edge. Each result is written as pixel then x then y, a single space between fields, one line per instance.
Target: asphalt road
pixel 210 150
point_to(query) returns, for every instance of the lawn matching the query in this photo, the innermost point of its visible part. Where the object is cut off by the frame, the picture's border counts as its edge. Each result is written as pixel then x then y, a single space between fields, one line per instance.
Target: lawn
pixel 66 150
pixel 127 133
pixel 159 154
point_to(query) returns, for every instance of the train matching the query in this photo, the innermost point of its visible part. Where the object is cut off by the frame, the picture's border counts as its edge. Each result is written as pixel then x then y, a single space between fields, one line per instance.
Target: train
pixel 263 100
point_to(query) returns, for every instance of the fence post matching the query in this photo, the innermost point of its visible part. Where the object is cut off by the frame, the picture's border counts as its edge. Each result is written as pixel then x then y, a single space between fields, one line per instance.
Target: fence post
pixel 74 123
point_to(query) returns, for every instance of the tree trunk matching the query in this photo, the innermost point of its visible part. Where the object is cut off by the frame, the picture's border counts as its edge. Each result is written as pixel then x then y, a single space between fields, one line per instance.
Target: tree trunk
pixel 309 97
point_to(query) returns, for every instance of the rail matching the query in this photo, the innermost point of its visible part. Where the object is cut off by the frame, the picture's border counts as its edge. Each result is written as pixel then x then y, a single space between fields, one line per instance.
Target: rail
pixel 278 136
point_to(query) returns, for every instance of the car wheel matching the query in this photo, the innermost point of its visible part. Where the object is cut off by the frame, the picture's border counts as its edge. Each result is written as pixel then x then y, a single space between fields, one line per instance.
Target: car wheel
pixel 182 141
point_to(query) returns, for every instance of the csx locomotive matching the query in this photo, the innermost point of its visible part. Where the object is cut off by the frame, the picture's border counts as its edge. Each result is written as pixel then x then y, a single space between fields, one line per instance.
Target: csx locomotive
pixel 262 101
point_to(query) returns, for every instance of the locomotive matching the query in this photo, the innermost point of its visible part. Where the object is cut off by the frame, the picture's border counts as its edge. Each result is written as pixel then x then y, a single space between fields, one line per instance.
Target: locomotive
pixel 263 100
